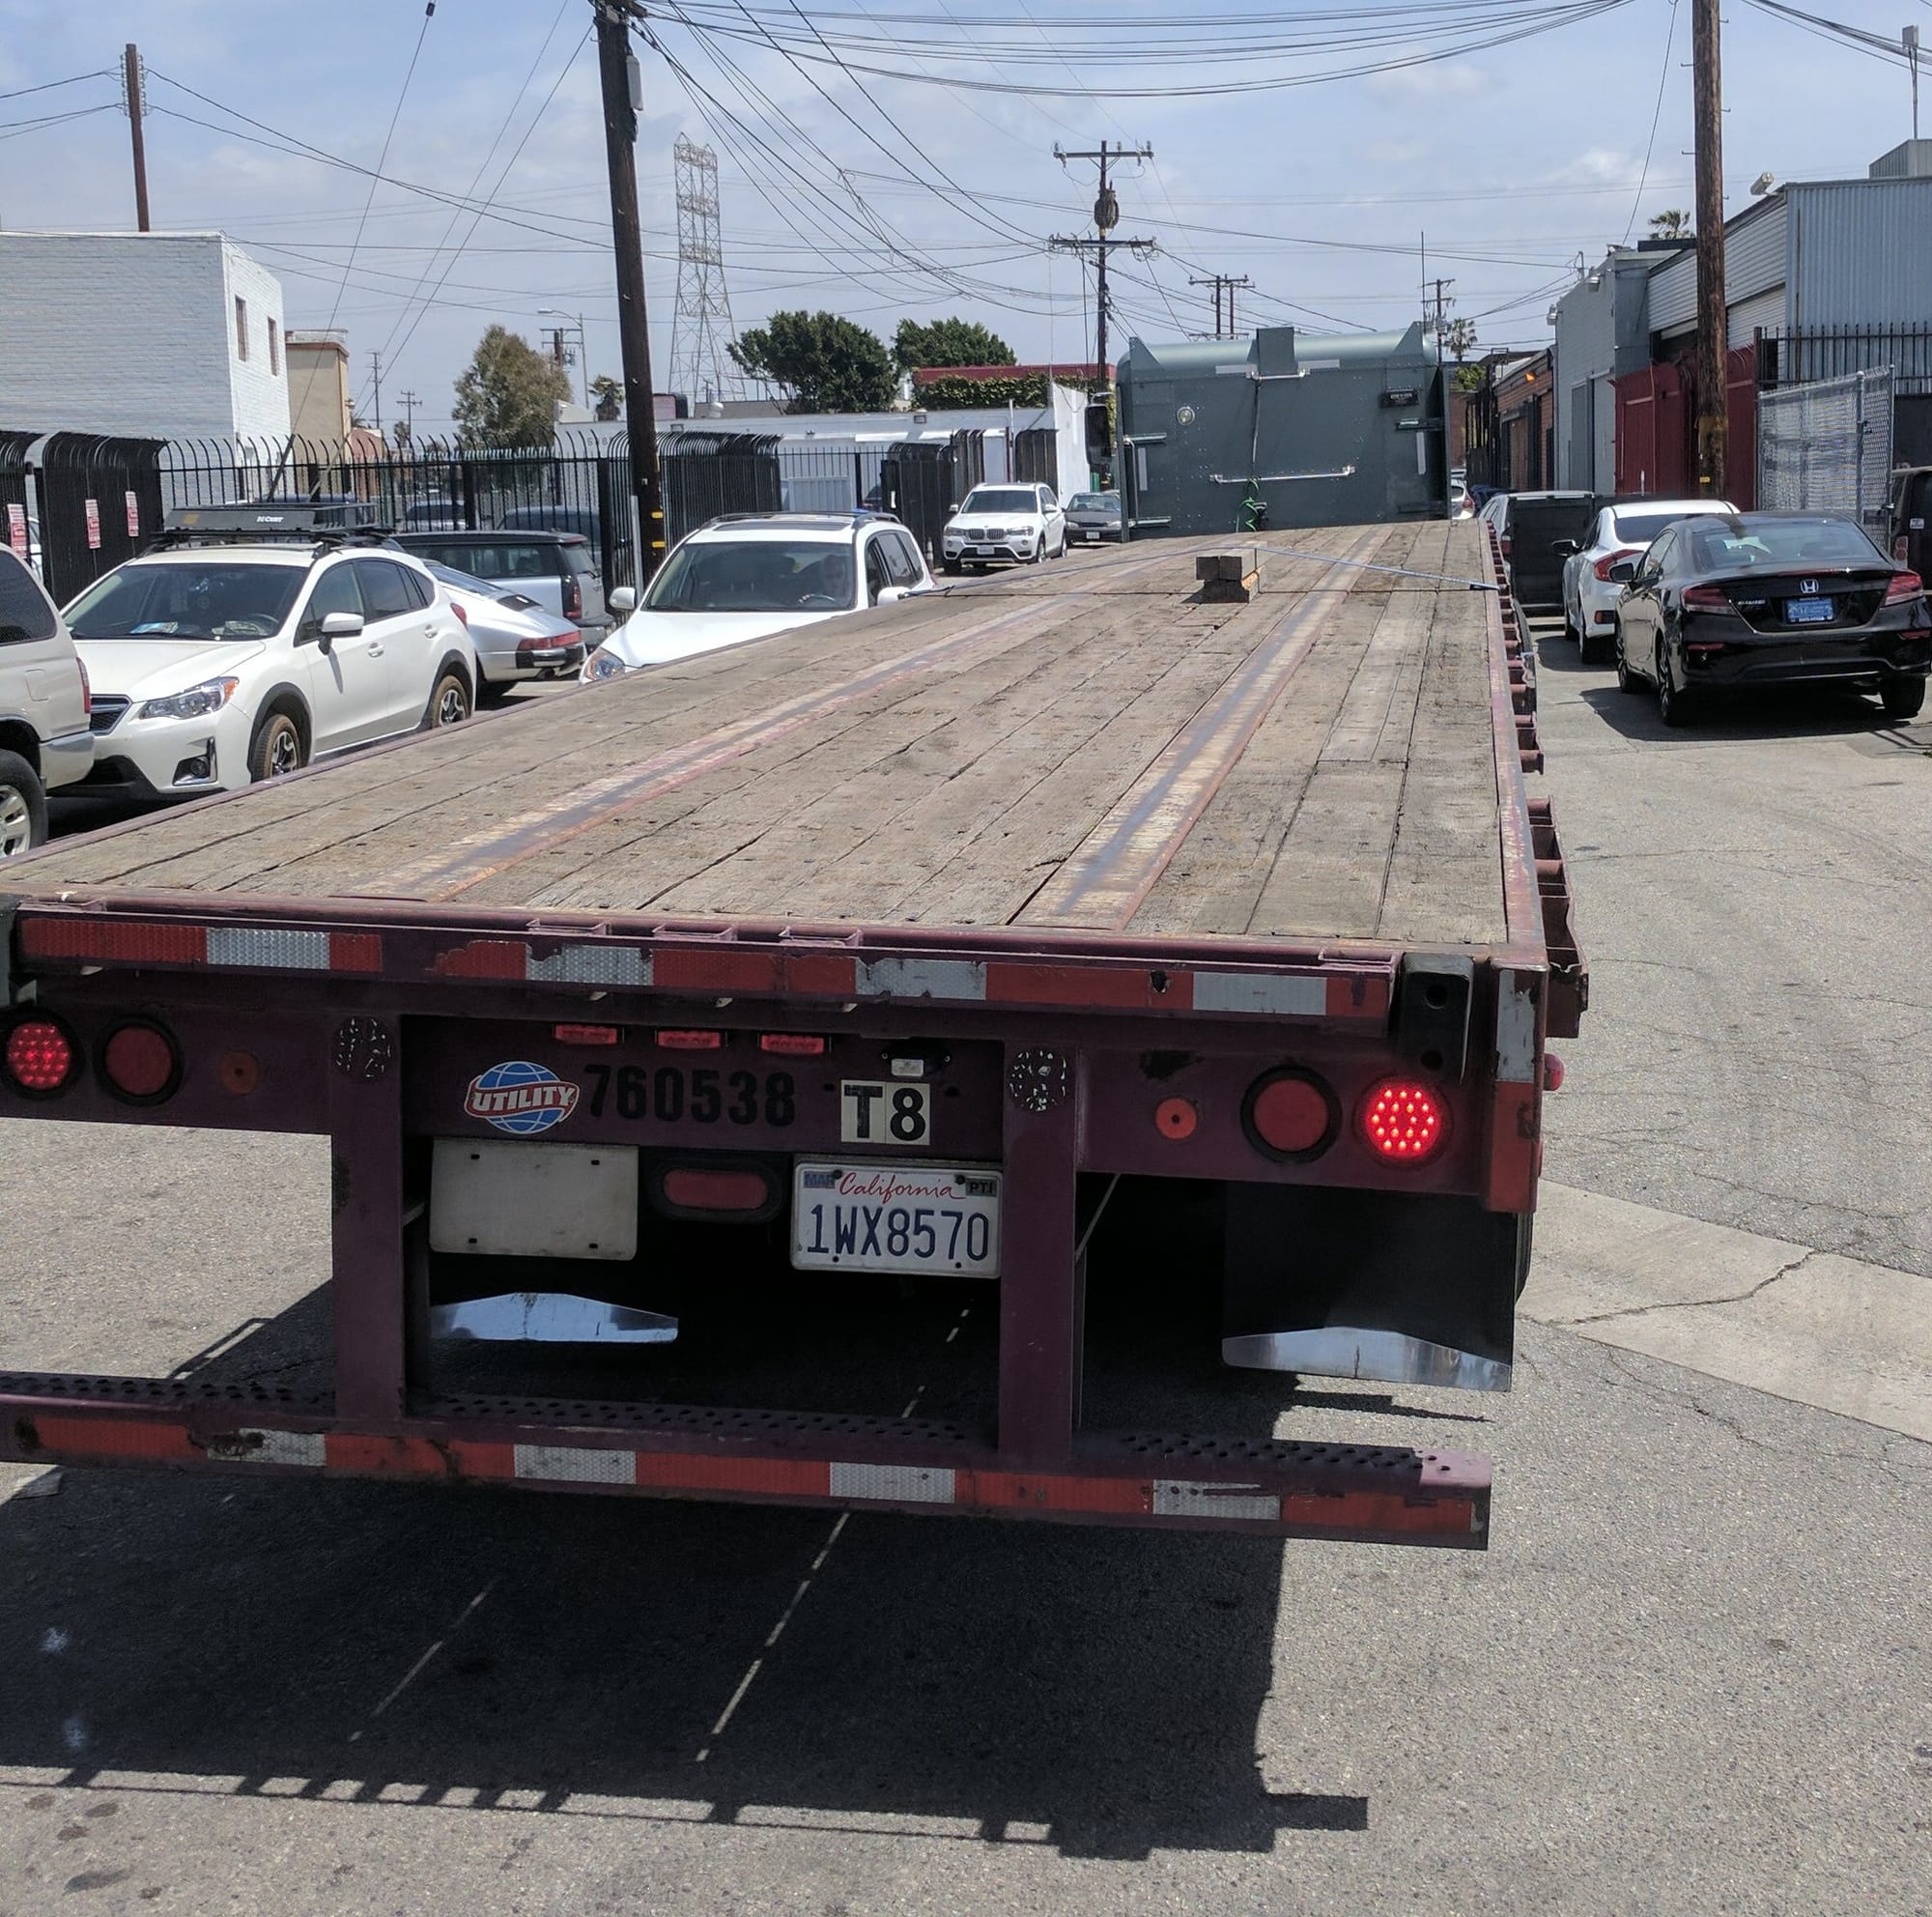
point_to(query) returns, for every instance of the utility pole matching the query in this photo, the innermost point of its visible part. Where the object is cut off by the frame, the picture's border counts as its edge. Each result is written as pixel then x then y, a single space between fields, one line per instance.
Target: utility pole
pixel 1713 424
pixel 408 402
pixel 621 75
pixel 138 107
pixel 1441 301
pixel 1106 217
pixel 1909 39
pixel 1221 282
pixel 375 373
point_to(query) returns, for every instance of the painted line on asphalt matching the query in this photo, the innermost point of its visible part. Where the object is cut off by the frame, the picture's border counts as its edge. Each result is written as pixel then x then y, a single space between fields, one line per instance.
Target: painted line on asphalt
pixel 1797 1323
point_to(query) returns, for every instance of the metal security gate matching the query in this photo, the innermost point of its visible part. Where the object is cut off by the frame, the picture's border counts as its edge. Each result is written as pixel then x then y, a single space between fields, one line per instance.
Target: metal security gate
pixel 708 474
pixel 920 483
pixel 14 530
pixel 100 501
pixel 1827 447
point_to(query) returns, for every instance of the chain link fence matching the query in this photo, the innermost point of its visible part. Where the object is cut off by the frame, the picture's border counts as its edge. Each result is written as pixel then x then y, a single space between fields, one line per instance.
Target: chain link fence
pixel 1827 447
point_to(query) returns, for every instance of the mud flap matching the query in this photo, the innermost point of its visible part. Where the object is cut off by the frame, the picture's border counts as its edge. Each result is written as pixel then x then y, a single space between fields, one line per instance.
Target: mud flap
pixel 1371 1284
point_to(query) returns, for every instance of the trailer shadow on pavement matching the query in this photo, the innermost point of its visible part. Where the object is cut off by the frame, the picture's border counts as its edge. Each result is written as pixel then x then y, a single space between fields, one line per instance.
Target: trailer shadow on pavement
pixel 1093 1690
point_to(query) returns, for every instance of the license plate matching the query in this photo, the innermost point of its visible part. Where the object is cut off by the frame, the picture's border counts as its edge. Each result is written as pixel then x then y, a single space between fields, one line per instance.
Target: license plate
pixel 981 552
pixel 1808 612
pixel 869 1217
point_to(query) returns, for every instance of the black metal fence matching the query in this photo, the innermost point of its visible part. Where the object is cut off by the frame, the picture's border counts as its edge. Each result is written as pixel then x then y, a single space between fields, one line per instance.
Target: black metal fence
pixel 100 501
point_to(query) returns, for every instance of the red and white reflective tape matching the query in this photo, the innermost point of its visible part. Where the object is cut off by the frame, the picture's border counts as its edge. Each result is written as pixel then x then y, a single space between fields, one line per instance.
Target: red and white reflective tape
pixel 722 968
pixel 233 948
pixel 1516 1112
pixel 1449 1512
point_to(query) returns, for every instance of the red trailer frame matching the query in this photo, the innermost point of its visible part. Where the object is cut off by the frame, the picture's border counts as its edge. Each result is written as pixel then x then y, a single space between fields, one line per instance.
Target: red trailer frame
pixel 301 1015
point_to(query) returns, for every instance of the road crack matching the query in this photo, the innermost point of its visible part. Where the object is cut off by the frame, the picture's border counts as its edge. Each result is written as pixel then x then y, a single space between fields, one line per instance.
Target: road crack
pixel 1784 1271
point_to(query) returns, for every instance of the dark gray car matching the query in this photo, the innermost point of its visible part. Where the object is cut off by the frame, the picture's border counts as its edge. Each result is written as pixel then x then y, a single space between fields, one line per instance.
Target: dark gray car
pixel 1091 517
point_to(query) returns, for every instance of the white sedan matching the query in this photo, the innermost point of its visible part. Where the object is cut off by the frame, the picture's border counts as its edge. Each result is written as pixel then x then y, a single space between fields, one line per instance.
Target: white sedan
pixel 754 574
pixel 1018 525
pixel 1590 595
pixel 218 665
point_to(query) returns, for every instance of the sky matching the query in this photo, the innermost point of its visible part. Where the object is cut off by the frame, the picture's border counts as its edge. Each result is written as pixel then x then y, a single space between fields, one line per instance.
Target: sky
pixel 874 161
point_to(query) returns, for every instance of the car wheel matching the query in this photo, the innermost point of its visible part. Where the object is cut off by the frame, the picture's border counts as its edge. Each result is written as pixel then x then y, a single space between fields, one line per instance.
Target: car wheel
pixel 277 747
pixel 951 567
pixel 1904 699
pixel 448 701
pixel 1673 707
pixel 1589 646
pixel 1626 680
pixel 1039 552
pixel 492 693
pixel 23 806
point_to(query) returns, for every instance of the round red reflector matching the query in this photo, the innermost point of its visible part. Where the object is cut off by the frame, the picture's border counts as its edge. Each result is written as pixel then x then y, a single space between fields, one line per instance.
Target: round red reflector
pixel 140 1062
pixel 1404 1120
pixel 1175 1118
pixel 40 1056
pixel 1293 1114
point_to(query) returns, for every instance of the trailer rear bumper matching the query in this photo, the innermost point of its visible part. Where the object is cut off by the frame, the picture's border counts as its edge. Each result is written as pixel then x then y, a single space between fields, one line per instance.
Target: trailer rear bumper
pixel 1345 1493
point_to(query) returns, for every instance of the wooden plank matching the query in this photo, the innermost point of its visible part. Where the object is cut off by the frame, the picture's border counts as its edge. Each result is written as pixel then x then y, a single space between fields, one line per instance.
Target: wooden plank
pixel 1088 745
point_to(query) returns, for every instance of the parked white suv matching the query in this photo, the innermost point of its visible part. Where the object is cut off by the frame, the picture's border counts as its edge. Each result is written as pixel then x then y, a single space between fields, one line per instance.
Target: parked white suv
pixel 750 574
pixel 45 741
pixel 1021 524
pixel 241 657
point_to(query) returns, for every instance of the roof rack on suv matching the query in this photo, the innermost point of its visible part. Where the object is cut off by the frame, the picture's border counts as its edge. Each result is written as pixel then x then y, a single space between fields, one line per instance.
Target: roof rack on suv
pixel 257 525
pixel 842 516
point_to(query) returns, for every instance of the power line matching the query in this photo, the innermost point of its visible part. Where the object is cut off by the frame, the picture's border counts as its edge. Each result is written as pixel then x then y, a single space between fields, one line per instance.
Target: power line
pixel 1656 114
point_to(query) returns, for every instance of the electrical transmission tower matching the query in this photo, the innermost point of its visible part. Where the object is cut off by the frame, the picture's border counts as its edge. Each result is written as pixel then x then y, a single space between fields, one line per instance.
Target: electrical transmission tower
pixel 703 323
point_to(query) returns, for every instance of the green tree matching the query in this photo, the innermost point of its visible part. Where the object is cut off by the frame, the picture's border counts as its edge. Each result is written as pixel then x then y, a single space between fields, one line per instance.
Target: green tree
pixel 609 393
pixel 1458 336
pixel 509 393
pixel 1471 379
pixel 951 342
pixel 818 362
pixel 1673 224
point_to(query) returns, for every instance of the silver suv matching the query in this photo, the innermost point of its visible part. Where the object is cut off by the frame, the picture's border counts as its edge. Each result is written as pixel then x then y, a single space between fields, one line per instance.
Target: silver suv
pixel 45 739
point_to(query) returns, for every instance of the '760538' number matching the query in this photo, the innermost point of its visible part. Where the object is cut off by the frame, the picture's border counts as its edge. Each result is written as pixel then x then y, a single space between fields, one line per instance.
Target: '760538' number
pixel 703 1095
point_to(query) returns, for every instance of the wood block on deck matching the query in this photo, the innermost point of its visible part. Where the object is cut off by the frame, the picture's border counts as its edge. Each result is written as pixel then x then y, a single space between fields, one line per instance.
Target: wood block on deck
pixel 1232 576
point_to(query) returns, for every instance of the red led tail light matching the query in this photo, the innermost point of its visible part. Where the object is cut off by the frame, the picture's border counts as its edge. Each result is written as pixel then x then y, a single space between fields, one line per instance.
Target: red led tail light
pixel 1405 1121
pixel 39 1057
pixel 791 1044
pixel 680 1040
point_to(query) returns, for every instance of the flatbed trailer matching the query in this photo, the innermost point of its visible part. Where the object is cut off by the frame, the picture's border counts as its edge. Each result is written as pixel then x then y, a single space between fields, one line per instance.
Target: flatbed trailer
pixel 870 962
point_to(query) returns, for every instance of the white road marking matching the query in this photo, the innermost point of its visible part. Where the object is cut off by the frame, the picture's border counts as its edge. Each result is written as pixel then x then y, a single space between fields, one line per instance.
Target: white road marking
pixel 1800 1323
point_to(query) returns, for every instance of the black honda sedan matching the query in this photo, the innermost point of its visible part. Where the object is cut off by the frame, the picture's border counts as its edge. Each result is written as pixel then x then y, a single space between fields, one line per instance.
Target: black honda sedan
pixel 1724 604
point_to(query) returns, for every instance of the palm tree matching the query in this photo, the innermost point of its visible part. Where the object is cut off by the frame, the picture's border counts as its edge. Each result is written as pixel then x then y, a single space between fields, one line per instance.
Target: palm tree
pixel 1674 223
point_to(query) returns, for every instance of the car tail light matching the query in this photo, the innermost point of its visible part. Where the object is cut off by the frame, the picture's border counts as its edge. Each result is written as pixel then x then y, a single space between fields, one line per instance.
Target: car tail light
pixel 585 1035
pixel 140 1063
pixel 1904 586
pixel 573 598
pixel 1504 542
pixel 456 606
pixel 791 1044
pixel 40 1058
pixel 692 1041
pixel 1602 566
pixel 739 1191
pixel 1291 1115
pixel 86 690
pixel 1706 599
pixel 1404 1120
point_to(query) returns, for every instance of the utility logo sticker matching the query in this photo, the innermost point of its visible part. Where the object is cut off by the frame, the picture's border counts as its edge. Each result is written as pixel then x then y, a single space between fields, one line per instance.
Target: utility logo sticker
pixel 521 1098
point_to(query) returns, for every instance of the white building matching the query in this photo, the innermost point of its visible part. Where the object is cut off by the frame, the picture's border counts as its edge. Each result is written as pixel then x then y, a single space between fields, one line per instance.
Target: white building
pixel 162 335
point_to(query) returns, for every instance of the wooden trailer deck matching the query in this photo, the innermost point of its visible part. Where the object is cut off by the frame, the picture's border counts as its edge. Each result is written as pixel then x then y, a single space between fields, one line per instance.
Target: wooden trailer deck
pixel 1085 745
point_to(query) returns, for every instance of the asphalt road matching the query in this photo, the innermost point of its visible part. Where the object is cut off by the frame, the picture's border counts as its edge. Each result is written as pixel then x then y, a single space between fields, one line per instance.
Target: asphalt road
pixel 1693 1673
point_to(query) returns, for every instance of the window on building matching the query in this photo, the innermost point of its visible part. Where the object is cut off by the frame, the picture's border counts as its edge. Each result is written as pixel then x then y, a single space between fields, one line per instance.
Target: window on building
pixel 274 348
pixel 241 329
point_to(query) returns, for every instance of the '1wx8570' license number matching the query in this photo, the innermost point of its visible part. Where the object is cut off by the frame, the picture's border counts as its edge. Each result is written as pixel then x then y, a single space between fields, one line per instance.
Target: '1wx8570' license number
pixel 703 1095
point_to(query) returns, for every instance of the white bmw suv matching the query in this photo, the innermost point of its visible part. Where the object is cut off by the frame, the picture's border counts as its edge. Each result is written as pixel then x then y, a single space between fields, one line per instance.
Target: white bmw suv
pixel 246 656
pixel 1020 524
pixel 750 574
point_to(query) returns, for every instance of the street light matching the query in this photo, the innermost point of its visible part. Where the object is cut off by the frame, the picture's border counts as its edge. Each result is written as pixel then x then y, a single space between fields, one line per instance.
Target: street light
pixel 561 332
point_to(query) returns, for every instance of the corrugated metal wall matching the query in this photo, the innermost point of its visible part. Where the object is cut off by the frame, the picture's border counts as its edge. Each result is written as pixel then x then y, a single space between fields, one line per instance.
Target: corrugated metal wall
pixel 1861 253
